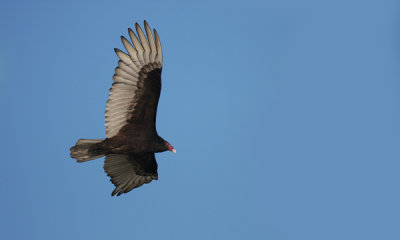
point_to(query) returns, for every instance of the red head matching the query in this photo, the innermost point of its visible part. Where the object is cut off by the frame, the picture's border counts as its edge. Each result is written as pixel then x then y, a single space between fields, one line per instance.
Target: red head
pixel 170 147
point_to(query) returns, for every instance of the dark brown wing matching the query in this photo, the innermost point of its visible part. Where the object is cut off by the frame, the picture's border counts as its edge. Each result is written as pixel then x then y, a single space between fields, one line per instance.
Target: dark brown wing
pixel 137 84
pixel 143 118
pixel 130 171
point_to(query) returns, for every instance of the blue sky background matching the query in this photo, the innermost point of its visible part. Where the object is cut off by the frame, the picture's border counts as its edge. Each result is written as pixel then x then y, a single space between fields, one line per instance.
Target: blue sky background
pixel 285 116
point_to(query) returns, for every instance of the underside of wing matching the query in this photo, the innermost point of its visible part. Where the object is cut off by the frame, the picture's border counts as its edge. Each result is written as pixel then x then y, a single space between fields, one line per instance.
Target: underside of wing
pixel 130 171
pixel 136 88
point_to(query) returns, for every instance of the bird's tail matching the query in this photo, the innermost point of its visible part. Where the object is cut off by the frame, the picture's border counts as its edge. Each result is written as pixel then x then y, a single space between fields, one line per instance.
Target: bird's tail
pixel 82 152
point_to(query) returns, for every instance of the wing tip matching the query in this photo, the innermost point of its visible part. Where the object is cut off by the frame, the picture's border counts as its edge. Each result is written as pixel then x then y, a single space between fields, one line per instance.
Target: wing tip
pixel 114 192
pixel 137 25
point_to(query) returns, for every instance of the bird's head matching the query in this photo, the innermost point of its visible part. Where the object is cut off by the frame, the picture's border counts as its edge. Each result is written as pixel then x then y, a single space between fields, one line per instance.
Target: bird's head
pixel 170 147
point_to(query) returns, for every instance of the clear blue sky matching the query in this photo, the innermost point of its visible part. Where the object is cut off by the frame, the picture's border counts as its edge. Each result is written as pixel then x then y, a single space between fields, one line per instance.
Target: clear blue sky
pixel 285 116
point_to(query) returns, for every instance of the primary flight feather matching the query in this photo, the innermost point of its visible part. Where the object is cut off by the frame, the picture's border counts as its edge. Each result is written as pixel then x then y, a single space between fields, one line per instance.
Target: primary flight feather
pixel 131 135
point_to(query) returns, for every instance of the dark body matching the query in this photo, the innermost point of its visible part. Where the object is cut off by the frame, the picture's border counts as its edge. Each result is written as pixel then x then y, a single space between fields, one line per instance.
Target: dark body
pixel 126 145
pixel 131 111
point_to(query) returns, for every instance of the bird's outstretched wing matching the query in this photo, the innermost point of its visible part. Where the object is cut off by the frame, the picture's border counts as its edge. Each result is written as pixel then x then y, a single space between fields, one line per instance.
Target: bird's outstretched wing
pixel 134 95
pixel 130 171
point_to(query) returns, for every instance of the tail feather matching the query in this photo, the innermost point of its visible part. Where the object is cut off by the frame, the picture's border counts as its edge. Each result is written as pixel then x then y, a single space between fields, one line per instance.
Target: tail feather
pixel 81 150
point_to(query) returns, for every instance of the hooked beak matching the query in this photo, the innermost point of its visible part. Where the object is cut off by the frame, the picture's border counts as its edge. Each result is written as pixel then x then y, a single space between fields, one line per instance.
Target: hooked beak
pixel 173 150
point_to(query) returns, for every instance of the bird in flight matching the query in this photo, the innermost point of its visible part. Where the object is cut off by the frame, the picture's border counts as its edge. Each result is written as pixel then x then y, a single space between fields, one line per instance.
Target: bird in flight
pixel 131 109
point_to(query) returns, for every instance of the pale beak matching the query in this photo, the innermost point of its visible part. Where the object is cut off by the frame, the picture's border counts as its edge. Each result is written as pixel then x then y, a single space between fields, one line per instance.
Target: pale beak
pixel 173 150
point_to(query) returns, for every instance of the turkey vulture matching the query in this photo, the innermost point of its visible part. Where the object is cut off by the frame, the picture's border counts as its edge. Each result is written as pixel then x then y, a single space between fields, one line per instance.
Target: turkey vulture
pixel 131 135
